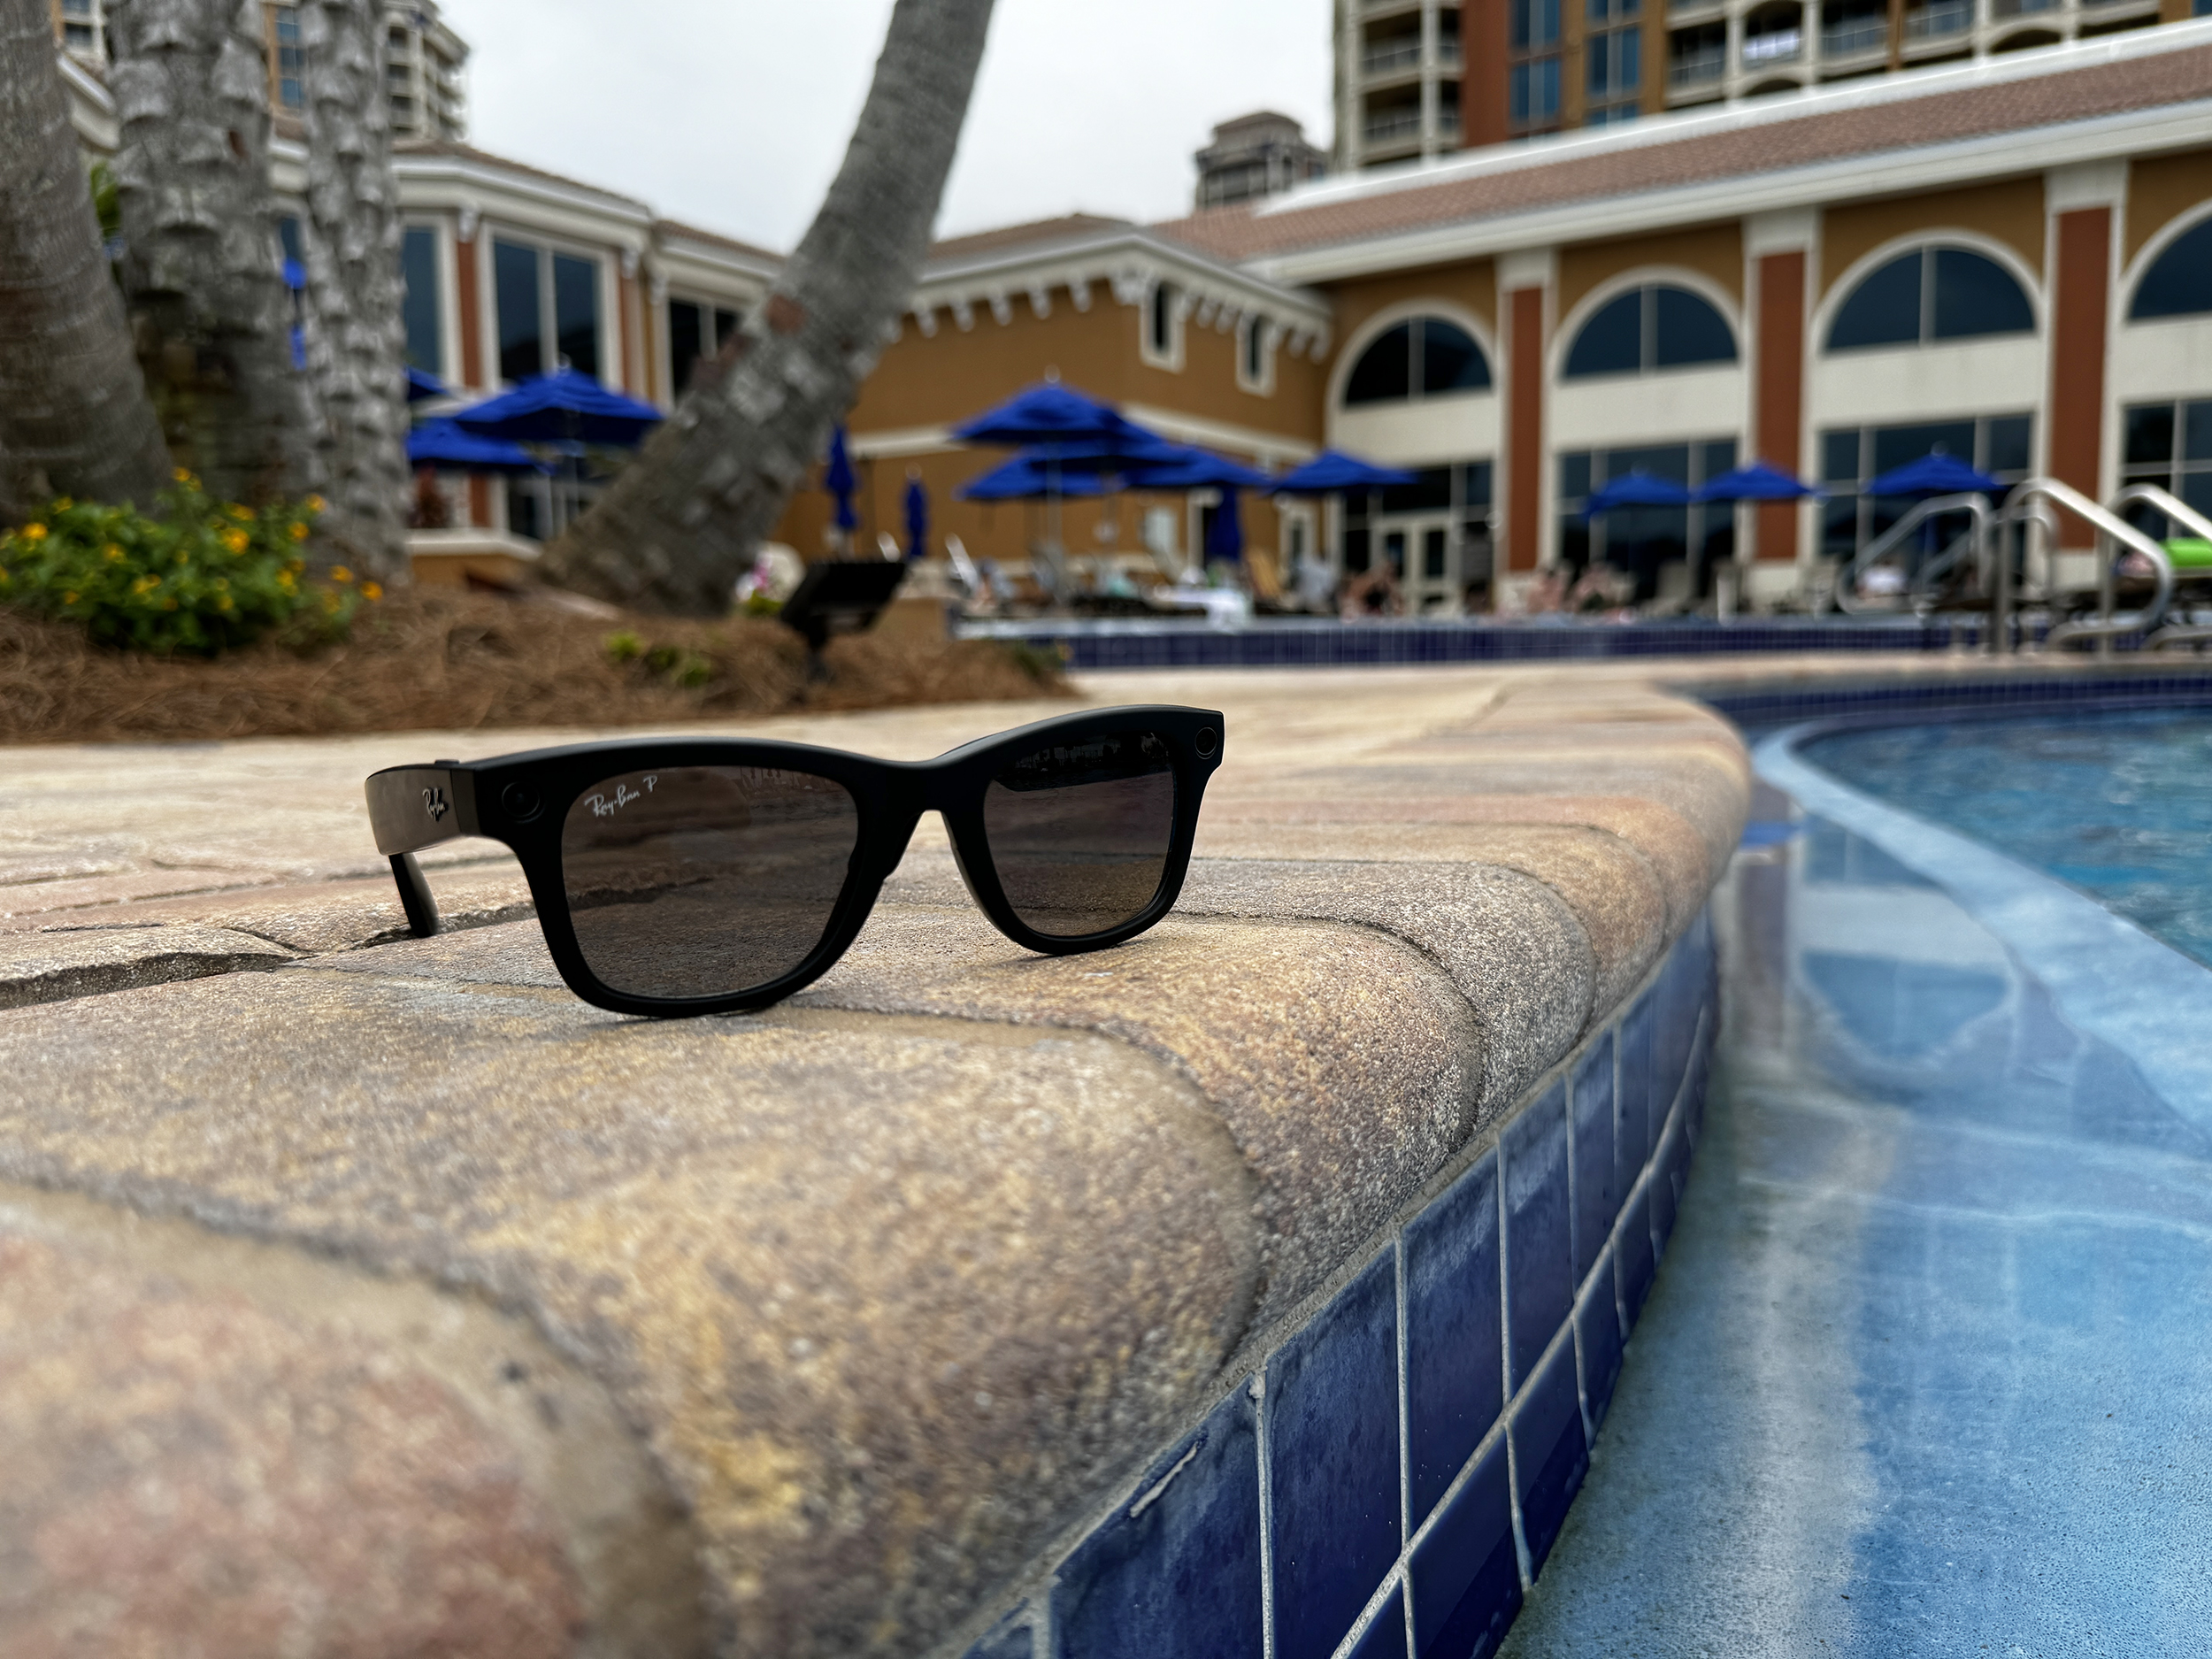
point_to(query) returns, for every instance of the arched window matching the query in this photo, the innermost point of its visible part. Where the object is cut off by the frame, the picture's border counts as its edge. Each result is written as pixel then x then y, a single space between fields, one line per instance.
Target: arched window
pixel 1427 358
pixel 1928 294
pixel 1648 330
pixel 2180 282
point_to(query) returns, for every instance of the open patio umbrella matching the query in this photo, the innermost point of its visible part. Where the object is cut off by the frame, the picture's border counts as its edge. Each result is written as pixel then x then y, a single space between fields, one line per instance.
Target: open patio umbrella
pixel 421 385
pixel 1068 433
pixel 1024 478
pixel 840 480
pixel 1196 469
pixel 1637 489
pixel 1758 482
pixel 565 405
pixel 1333 472
pixel 917 505
pixel 1935 474
pixel 441 443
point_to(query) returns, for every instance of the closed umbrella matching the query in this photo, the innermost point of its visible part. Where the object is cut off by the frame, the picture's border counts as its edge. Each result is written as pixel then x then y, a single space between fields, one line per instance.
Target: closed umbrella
pixel 1224 533
pixel 839 479
pixel 916 519
pixel 1935 474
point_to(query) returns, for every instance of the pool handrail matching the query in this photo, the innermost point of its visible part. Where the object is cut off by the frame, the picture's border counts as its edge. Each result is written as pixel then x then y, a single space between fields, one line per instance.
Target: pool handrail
pixel 2190 519
pixel 1973 503
pixel 2110 526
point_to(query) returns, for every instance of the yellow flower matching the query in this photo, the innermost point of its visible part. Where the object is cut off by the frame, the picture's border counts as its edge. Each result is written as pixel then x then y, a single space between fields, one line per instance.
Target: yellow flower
pixel 316 504
pixel 114 553
pixel 69 599
pixel 33 533
pixel 285 580
pixel 370 591
pixel 236 540
pixel 62 503
pixel 298 531
pixel 340 574
pixel 244 515
pixel 223 604
pixel 181 476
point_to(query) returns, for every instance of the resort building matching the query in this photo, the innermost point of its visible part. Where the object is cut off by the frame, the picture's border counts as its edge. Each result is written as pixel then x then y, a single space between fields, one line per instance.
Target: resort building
pixel 1257 155
pixel 1416 78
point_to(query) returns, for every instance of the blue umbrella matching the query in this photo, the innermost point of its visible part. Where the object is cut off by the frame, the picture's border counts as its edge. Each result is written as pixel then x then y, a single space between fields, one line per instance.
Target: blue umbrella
pixel 1333 472
pixel 1756 482
pixel 916 519
pixel 1051 413
pixel 443 444
pixel 1224 533
pixel 565 405
pixel 1935 474
pixel 420 386
pixel 1196 469
pixel 838 479
pixel 1637 489
pixel 1025 478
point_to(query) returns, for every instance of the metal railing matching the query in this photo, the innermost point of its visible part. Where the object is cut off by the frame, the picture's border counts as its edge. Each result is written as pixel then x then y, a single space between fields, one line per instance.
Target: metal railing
pixel 1781 46
pixel 1388 59
pixel 1694 71
pixel 1847 40
pixel 1931 22
pixel 2178 513
pixel 1894 539
pixel 1394 129
pixel 2021 507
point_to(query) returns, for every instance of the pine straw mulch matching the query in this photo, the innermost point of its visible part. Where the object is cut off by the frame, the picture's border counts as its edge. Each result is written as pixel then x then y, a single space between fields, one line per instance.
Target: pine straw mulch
pixel 448 661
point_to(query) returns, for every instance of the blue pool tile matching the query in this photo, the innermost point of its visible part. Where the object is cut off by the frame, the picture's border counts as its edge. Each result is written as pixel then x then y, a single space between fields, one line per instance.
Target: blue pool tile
pixel 1550 1455
pixel 1455 1331
pixel 1466 1575
pixel 1633 1141
pixel 1538 1249
pixel 1674 1022
pixel 1597 1180
pixel 1664 1193
pixel 1632 1261
pixel 1598 1319
pixel 1174 1573
pixel 1385 1637
pixel 1332 1463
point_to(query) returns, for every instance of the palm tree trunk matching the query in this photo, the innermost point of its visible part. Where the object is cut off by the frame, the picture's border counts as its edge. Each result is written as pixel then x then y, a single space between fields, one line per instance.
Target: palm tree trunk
pixel 202 270
pixel 356 341
pixel 682 522
pixel 73 414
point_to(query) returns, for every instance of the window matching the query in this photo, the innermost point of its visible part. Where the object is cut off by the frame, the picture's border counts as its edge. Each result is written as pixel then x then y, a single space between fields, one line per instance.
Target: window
pixel 1433 534
pixel 1425 357
pixel 1850 458
pixel 291 62
pixel 418 277
pixel 1640 542
pixel 2180 282
pixel 2169 445
pixel 1931 293
pixel 1534 92
pixel 1535 24
pixel 1612 61
pixel 1163 327
pixel 1651 329
pixel 1256 355
pixel 687 342
pixel 532 285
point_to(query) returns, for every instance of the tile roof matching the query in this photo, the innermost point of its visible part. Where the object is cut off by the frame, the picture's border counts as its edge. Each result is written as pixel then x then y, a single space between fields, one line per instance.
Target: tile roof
pixel 1803 132
pixel 1039 233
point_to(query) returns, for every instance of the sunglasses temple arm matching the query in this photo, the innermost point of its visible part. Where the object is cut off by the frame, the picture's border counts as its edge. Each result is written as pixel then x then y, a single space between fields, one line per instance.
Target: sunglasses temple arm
pixel 411 808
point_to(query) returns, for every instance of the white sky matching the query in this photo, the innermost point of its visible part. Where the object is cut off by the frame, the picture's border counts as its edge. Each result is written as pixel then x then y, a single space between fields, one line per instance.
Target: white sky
pixel 733 116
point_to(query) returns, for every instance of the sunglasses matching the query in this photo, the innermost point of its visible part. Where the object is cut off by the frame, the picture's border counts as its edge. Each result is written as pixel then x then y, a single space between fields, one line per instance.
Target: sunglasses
pixel 695 876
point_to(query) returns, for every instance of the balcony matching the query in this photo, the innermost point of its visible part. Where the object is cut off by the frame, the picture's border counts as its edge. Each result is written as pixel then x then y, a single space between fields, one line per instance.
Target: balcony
pixel 2023 8
pixel 1934 22
pixel 1392 129
pixel 1854 38
pixel 1393 60
pixel 1696 69
pixel 1782 46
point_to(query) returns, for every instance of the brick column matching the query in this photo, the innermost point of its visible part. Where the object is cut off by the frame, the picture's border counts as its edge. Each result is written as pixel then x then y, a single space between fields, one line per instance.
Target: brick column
pixel 1483 77
pixel 2081 288
pixel 1778 393
pixel 471 306
pixel 1524 287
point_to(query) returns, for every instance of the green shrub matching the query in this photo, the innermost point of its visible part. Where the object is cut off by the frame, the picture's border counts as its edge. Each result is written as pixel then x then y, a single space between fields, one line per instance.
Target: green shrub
pixel 196 577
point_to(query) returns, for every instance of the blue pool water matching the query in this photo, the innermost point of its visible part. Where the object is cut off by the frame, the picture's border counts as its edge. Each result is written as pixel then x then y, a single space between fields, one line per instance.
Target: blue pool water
pixel 2117 805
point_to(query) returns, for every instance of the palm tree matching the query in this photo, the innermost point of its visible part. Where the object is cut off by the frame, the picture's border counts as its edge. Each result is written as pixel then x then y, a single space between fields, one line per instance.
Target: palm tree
pixel 356 341
pixel 680 523
pixel 202 270
pixel 73 414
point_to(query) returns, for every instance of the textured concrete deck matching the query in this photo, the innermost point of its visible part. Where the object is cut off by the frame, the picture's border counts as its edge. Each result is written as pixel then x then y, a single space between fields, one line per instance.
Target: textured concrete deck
pixel 365 1290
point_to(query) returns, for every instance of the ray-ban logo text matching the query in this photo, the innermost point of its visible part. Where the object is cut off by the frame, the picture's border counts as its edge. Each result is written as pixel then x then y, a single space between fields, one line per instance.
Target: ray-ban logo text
pixel 607 806
pixel 433 803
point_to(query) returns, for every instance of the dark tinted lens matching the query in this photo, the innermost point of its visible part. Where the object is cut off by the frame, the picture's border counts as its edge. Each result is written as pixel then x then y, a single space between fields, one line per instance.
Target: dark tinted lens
pixel 704 880
pixel 1078 832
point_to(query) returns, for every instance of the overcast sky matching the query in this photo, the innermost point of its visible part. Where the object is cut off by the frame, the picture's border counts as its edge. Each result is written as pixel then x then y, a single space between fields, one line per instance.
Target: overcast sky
pixel 734 114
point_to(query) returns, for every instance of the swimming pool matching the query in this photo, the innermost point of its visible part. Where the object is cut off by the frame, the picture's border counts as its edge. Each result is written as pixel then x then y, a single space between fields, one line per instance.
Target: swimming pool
pixel 2117 806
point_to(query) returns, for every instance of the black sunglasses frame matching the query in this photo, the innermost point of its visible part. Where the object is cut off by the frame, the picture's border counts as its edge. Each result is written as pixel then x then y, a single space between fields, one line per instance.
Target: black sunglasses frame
pixel 523 800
